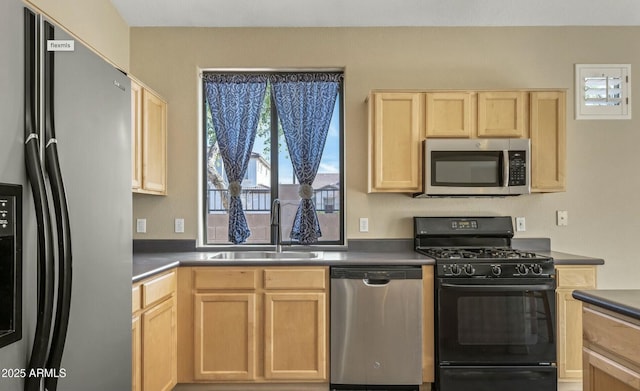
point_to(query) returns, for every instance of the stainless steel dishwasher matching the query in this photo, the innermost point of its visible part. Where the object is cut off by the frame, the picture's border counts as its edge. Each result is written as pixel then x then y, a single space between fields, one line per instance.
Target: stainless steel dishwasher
pixel 376 328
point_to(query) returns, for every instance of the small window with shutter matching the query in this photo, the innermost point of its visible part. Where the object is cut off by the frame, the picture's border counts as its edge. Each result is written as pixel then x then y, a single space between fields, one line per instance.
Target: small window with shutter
pixel 603 91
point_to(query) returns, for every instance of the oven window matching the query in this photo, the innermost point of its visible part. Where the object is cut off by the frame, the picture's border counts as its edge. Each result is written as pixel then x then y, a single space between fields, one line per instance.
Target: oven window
pixel 499 320
pixel 496 324
pixel 466 168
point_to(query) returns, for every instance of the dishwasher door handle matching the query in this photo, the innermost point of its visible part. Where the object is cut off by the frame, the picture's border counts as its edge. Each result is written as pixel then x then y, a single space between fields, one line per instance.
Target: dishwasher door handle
pixel 375 282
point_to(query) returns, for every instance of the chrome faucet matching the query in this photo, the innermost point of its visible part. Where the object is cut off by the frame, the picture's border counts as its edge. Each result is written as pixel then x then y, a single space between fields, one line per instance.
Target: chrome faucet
pixel 276 227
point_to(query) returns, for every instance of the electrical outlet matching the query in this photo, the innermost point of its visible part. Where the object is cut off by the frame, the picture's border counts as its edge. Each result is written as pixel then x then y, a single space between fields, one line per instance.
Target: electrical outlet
pixel 178 225
pixel 141 226
pixel 562 218
pixel 364 224
pixel 520 224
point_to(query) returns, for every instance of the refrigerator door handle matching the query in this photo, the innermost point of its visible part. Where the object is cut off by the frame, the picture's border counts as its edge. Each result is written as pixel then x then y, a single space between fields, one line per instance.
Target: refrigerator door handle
pixel 63 228
pixel 36 179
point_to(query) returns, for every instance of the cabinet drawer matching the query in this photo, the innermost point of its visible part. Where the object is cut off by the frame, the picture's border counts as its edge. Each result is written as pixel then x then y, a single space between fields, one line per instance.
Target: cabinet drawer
pixel 303 278
pixel 614 335
pixel 158 288
pixel 226 278
pixel 576 277
pixel 136 299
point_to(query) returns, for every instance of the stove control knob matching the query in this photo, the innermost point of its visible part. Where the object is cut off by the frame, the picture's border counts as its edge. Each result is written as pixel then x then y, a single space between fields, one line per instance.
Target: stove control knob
pixel 496 270
pixel 536 269
pixel 455 270
pixel 469 270
pixel 522 269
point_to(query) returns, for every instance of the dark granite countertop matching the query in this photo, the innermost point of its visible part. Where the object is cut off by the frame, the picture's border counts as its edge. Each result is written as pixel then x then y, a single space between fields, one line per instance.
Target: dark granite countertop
pixel 621 301
pixel 148 264
pixel 560 258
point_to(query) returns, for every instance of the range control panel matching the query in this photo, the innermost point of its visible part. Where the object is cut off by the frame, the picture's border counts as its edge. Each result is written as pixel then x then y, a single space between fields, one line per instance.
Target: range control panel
pixel 498 269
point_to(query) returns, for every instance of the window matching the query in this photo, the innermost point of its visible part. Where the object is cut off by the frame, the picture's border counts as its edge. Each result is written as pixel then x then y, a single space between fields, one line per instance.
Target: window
pixel 603 91
pixel 270 175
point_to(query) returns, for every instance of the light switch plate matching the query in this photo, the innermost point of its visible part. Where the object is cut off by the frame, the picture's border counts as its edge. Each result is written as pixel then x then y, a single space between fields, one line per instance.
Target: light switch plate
pixel 179 225
pixel 141 226
pixel 364 224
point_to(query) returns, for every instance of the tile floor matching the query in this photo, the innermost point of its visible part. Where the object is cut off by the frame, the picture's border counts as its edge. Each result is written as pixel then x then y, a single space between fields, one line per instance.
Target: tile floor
pixel 573 386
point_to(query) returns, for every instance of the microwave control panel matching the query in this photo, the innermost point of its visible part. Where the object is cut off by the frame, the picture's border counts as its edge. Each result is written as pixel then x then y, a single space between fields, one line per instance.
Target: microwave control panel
pixel 517 168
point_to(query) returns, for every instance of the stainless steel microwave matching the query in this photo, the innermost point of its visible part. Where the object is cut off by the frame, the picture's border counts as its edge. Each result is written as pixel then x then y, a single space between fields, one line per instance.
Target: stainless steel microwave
pixel 477 167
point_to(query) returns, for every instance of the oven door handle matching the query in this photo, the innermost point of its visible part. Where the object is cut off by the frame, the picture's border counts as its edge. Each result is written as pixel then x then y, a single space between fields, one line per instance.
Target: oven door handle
pixel 501 288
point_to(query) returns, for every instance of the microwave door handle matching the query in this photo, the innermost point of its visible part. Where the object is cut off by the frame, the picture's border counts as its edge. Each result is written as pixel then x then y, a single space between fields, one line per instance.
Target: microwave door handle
pixel 505 167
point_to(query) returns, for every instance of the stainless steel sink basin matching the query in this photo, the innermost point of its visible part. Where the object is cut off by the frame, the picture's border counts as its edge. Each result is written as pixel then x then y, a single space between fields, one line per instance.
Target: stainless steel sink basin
pixel 266 255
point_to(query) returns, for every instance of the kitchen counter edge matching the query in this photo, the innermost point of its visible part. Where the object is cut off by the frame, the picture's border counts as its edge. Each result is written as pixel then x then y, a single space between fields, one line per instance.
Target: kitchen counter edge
pixel 148 264
pixel 621 301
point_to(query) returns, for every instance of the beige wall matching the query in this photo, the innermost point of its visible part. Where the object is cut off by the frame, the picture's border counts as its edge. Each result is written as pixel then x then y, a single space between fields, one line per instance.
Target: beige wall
pixel 96 22
pixel 603 156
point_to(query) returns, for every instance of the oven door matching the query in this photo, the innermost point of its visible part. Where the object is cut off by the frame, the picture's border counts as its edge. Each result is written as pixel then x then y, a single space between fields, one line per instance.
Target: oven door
pixel 493 321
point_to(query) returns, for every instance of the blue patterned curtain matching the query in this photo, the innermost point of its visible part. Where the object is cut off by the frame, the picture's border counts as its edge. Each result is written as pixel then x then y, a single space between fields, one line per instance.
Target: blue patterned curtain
pixel 304 102
pixel 235 102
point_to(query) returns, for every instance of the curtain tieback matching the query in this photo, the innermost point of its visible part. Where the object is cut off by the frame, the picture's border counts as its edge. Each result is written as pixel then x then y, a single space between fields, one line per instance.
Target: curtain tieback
pixel 305 191
pixel 235 189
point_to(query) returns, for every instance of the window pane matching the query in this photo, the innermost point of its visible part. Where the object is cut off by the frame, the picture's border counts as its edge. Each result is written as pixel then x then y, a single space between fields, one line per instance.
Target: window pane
pixel 326 185
pixel 257 192
pixel 256 186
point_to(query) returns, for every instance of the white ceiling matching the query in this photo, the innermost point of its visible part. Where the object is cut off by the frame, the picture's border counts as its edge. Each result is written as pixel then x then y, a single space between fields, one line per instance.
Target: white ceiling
pixel 333 13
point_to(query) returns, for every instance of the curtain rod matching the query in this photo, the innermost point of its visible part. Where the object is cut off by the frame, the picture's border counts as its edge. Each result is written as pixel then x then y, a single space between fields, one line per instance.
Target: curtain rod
pixel 267 70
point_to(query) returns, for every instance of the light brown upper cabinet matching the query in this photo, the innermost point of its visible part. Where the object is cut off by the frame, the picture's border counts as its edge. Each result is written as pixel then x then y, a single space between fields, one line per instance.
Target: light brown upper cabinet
pixel 400 120
pixel 501 114
pixel 396 129
pixel 149 138
pixel 548 141
pixel 450 114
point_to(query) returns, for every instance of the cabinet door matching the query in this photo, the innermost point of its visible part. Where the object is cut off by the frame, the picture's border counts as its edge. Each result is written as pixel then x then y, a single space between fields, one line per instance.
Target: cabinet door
pixel 603 374
pixel 501 114
pixel 428 322
pixel 569 335
pixel 159 342
pixel 548 141
pixel 136 354
pixel 225 336
pixel 395 142
pixel 136 135
pixel 569 318
pixel 295 336
pixel 449 114
pixel 154 147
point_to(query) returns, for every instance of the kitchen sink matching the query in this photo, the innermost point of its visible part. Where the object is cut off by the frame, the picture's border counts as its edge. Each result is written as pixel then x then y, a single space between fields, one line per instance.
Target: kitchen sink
pixel 266 255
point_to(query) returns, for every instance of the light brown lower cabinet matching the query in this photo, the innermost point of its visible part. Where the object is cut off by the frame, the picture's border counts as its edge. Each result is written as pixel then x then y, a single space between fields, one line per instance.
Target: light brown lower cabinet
pixel 253 324
pixel 611 358
pixel 225 336
pixel 569 318
pixel 154 333
pixel 428 325
pixel 136 355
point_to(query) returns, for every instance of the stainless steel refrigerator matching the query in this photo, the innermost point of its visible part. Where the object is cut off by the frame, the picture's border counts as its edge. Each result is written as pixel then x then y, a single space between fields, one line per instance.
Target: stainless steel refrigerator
pixel 78 105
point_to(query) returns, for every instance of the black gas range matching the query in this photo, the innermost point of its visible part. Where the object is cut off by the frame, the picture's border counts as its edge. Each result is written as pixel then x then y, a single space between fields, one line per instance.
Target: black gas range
pixel 495 306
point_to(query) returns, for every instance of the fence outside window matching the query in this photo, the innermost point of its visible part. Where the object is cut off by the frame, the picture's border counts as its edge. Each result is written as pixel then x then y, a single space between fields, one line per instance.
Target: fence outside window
pixel 259 200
